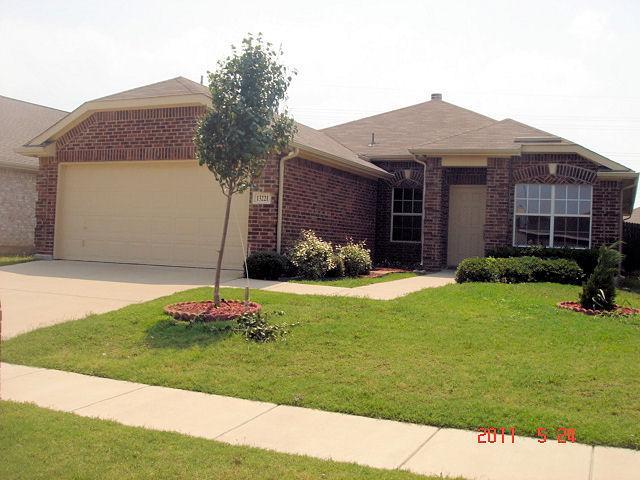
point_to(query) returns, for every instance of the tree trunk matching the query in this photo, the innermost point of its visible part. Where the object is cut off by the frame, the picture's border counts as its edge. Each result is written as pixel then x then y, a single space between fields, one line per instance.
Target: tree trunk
pixel 225 227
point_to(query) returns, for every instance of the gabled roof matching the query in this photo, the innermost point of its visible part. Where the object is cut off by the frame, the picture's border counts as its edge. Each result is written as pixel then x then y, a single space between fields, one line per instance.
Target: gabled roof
pixel 20 121
pixel 506 135
pixel 398 130
pixel 166 88
pixel 182 91
pixel 315 141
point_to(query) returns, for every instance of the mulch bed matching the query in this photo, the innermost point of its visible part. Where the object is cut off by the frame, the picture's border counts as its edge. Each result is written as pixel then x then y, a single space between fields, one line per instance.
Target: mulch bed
pixel 381 272
pixel 576 307
pixel 207 312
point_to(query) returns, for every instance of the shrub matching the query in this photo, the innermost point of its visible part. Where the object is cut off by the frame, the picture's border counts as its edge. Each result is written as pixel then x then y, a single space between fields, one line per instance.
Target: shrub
pixel 585 258
pixel 338 270
pixel 519 270
pixel 599 292
pixel 312 256
pixel 266 265
pixel 356 258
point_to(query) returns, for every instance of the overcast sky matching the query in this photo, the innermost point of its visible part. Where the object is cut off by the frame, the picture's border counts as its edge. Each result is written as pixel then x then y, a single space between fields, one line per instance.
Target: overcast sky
pixel 567 67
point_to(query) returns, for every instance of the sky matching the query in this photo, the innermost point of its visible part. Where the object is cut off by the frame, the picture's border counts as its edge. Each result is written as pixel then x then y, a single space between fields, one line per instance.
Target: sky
pixel 570 67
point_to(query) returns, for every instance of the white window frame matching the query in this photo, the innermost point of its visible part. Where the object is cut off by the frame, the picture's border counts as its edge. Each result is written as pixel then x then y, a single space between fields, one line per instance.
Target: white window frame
pixel 421 215
pixel 551 216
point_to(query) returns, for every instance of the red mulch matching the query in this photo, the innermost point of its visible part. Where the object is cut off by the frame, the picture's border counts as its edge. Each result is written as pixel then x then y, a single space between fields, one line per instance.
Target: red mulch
pixel 207 312
pixel 381 272
pixel 576 307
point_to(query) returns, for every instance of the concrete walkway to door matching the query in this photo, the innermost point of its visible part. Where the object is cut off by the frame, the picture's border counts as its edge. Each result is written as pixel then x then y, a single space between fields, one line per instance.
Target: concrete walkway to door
pixel 41 293
pixel 422 449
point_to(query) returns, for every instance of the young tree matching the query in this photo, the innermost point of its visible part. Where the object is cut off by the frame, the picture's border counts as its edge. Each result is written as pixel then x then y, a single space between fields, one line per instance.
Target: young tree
pixel 246 123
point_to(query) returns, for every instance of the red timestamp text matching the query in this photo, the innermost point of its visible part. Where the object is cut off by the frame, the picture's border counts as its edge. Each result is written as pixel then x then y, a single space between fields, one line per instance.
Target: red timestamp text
pixel 508 435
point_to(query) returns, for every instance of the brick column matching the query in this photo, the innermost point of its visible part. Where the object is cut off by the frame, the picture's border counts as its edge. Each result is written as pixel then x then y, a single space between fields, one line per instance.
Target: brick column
pixel 46 188
pixel 433 231
pixel 263 219
pixel 498 224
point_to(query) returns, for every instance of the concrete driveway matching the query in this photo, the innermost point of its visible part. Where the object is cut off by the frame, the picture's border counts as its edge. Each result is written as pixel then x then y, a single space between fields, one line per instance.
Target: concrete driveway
pixel 43 293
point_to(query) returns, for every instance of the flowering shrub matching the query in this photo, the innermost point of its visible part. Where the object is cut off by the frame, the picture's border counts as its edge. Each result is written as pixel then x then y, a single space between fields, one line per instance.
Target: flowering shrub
pixel 312 256
pixel 356 258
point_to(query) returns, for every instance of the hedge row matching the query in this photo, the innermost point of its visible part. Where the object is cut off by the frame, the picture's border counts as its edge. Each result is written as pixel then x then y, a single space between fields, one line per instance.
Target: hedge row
pixel 519 270
pixel 585 258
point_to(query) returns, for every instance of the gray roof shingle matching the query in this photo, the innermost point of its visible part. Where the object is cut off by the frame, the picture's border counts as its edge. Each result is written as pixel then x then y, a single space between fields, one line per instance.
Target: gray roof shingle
pixel 19 122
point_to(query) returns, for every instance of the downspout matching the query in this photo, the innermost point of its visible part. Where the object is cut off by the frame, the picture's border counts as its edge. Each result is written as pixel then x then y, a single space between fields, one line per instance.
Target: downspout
pixel 424 188
pixel 289 156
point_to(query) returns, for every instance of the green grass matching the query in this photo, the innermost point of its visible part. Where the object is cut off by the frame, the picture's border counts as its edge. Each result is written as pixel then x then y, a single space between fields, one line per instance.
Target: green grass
pixel 459 356
pixel 43 444
pixel 352 282
pixel 13 259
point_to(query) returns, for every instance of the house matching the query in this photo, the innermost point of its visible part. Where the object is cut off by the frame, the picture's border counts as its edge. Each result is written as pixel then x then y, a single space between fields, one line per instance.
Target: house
pixel 429 184
pixel 19 121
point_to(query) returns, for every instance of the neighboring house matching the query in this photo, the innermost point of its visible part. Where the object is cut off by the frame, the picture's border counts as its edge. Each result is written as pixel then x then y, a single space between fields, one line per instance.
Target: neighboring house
pixel 428 184
pixel 19 121
pixel 635 216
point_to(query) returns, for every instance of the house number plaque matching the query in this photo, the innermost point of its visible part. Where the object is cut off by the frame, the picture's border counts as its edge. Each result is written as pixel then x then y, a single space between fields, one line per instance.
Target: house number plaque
pixel 261 198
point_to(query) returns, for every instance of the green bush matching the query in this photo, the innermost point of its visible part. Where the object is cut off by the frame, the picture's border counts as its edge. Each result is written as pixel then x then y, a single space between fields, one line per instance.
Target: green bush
pixel 266 265
pixel 585 258
pixel 519 270
pixel 599 292
pixel 338 271
pixel 356 258
pixel 312 256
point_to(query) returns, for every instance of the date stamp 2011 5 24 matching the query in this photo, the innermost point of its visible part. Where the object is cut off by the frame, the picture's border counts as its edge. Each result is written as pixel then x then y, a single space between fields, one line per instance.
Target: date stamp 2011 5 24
pixel 508 435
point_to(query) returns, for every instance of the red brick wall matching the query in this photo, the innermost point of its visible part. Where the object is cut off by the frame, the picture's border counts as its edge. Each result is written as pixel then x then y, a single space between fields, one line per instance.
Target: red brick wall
pixel 498 219
pixel 263 219
pixel 606 218
pixel 148 134
pixel 335 204
pixel 388 252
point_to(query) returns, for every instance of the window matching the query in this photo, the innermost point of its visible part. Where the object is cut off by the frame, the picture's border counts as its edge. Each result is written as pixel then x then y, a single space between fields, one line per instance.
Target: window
pixel 406 215
pixel 552 215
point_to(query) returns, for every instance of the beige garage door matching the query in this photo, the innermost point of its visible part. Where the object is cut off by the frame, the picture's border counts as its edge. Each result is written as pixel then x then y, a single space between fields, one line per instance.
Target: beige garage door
pixel 467 206
pixel 156 213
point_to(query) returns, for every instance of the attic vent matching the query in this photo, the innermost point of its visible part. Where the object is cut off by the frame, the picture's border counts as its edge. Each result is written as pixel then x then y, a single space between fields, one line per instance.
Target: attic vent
pixel 373 139
pixel 436 96
pixel 538 139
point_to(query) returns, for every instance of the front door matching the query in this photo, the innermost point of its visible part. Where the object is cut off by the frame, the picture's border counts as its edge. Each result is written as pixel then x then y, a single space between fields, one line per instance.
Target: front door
pixel 467 205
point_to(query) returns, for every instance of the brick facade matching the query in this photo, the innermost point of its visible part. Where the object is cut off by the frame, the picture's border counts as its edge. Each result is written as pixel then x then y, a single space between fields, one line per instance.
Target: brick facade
pixel 387 251
pixel 336 205
pixel 146 134
pixel 17 210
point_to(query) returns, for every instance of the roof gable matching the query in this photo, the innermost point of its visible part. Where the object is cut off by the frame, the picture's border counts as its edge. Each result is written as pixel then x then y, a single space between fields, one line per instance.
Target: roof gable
pixel 166 88
pixel 398 130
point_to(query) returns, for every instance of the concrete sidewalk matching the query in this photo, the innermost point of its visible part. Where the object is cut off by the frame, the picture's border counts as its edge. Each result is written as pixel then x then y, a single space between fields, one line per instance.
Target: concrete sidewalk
pixel 378 443
pixel 377 291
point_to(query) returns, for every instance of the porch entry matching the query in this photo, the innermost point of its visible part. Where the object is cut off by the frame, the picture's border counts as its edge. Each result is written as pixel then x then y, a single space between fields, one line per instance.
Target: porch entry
pixel 467 211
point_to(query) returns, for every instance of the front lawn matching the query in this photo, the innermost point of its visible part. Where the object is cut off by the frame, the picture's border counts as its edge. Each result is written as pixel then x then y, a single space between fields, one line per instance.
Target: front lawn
pixel 43 444
pixel 13 259
pixel 463 356
pixel 352 282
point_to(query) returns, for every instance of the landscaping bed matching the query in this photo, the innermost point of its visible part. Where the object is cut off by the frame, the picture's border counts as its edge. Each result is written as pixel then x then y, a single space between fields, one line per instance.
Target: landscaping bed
pixel 465 355
pixel 206 311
